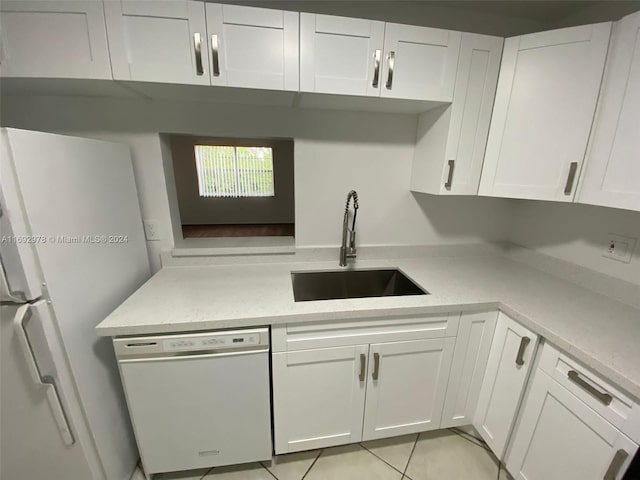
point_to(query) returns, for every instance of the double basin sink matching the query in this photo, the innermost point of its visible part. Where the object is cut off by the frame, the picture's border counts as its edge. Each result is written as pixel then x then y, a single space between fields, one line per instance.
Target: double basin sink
pixel 342 284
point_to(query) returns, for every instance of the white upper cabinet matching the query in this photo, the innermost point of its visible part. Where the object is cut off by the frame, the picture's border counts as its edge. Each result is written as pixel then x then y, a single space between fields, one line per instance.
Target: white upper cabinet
pixel 62 39
pixel 340 55
pixel 612 175
pixel 545 103
pixel 253 47
pixel 163 42
pixel 450 142
pixel 420 63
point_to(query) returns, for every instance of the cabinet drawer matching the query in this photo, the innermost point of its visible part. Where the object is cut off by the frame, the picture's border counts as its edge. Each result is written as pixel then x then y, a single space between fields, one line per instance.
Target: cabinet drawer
pixel 302 336
pixel 599 394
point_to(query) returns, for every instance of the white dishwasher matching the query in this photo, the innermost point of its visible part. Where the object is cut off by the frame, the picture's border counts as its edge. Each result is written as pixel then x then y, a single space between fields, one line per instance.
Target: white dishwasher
pixel 198 399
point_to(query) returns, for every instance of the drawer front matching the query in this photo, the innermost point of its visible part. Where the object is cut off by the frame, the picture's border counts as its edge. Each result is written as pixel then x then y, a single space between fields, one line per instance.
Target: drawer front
pixel 308 335
pixel 599 394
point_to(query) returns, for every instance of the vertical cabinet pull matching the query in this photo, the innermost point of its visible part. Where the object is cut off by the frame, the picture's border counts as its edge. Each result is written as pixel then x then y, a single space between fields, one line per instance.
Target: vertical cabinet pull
pixel 616 464
pixel 392 62
pixel 604 397
pixel 376 69
pixel 197 45
pixel 376 366
pixel 214 55
pixel 449 181
pixel 523 346
pixel 363 364
pixel 573 168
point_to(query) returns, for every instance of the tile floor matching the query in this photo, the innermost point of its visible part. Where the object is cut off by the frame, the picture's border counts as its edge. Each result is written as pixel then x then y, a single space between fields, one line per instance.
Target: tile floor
pixel 441 455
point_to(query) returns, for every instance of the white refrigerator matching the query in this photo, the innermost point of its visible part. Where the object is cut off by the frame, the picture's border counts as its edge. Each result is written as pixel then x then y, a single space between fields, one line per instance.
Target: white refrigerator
pixel 72 249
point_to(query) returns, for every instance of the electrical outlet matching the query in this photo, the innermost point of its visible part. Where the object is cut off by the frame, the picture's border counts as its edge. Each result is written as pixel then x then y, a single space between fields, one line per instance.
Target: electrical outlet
pixel 152 230
pixel 620 248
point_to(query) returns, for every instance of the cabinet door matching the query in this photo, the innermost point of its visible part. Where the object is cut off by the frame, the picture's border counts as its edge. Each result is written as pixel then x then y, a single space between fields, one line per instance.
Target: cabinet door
pixel 545 102
pixel 161 42
pixel 475 90
pixel 559 437
pixel 406 386
pixel 318 397
pixel 62 39
pixel 508 367
pixel 420 63
pixel 612 176
pixel 340 55
pixel 467 370
pixel 253 47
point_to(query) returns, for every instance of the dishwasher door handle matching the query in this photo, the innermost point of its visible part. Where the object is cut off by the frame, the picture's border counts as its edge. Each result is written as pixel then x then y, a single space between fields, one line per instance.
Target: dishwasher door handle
pixel 189 356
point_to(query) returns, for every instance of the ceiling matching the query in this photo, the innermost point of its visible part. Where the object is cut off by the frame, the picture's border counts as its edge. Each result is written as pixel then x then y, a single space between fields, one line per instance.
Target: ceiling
pixel 505 18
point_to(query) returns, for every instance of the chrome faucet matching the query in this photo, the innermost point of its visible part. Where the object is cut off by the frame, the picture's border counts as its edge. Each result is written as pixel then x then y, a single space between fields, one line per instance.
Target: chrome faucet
pixel 349 251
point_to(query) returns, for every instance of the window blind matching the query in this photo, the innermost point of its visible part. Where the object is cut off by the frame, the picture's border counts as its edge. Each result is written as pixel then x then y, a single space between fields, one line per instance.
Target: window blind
pixel 234 171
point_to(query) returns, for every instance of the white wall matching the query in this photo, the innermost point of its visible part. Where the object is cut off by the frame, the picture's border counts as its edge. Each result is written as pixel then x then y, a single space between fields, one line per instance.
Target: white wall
pixel 334 152
pixel 577 233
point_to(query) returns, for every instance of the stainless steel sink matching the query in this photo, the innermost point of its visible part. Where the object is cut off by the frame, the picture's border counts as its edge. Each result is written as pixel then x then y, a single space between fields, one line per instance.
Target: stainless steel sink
pixel 352 284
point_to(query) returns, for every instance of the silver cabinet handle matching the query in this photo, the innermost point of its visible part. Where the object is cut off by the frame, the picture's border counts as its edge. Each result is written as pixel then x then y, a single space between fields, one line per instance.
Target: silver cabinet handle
pixel 376 365
pixel 573 168
pixel 197 45
pixel 616 464
pixel 363 364
pixel 214 55
pixel 524 342
pixel 604 397
pixel 447 184
pixel 392 63
pixel 22 315
pixel 376 69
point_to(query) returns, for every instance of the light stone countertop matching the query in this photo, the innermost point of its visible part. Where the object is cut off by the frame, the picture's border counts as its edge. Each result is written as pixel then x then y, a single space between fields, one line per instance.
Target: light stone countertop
pixel 600 332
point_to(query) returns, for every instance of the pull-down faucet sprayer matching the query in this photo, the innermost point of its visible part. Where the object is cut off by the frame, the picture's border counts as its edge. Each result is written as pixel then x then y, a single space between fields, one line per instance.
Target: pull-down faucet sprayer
pixel 349 251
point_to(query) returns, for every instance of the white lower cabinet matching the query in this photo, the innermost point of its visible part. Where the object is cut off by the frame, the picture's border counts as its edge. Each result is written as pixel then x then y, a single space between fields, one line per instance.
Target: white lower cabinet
pixel 560 437
pixel 508 367
pixel 424 373
pixel 406 386
pixel 327 391
pixel 318 397
pixel 473 345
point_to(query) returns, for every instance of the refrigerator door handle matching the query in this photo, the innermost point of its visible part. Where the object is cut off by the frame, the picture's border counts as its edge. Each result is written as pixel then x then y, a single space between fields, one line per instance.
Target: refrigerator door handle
pixel 7 293
pixel 23 314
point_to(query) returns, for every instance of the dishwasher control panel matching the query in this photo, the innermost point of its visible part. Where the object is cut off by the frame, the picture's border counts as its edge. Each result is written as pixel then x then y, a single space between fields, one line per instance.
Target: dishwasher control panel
pixel 191 343
pixel 213 341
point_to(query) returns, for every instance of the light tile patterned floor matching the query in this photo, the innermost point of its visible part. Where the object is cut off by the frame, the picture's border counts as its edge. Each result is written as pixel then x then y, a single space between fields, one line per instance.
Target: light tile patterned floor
pixel 440 455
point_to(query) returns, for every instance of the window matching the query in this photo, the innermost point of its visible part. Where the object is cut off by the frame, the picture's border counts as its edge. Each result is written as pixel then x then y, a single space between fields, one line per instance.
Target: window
pixel 225 171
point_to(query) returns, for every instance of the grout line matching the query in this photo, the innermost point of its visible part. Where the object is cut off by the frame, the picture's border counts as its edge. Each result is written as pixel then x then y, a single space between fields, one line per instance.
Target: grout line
pixel 456 429
pixel 268 471
pixel 312 463
pixel 207 473
pixel 482 445
pixel 404 474
pixel 381 459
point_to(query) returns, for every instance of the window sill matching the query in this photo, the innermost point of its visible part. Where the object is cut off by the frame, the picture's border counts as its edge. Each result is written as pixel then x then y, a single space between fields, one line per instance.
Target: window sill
pixel 220 246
